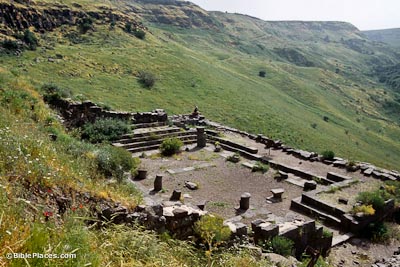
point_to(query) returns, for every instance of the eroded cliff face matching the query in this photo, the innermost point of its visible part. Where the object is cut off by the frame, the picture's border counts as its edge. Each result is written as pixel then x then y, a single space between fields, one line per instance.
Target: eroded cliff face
pixel 46 17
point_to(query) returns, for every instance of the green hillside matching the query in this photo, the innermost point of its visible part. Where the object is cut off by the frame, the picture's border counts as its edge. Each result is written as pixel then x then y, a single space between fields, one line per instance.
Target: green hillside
pixel 388 36
pixel 319 92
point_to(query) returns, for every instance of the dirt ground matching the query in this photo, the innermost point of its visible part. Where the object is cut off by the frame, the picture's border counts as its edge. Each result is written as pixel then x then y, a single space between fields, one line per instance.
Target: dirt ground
pixel 220 184
pixel 361 252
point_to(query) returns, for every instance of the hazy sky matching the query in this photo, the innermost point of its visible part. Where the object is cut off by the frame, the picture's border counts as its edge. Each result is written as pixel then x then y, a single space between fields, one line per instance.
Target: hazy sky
pixel 364 14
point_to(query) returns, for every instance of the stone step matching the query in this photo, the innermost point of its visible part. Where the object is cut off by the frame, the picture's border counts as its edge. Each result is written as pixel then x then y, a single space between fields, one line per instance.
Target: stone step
pixel 297 205
pixel 155 131
pixel 340 239
pixel 155 147
pixel 242 153
pixel 295 180
pixel 148 125
pixel 230 143
pixel 154 137
pixel 154 142
pixel 298 172
pixel 311 200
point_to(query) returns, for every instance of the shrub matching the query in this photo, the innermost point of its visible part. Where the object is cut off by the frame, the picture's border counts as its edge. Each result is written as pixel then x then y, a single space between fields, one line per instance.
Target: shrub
pixel 260 167
pixel 85 25
pixel 30 39
pixel 235 158
pixel 372 198
pixel 115 161
pixel 328 155
pixel 128 27
pixel 147 79
pixel 212 232
pixel 326 233
pixel 9 44
pixel 280 245
pixel 377 232
pixel 139 34
pixel 104 130
pixel 53 93
pixel 366 209
pixel 170 146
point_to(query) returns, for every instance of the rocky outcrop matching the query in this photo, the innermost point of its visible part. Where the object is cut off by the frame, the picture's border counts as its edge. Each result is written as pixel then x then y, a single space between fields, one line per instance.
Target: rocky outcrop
pixel 48 17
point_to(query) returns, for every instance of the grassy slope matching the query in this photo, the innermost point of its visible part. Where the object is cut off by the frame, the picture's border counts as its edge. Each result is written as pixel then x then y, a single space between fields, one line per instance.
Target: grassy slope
pixel 33 169
pixel 218 71
pixel 389 36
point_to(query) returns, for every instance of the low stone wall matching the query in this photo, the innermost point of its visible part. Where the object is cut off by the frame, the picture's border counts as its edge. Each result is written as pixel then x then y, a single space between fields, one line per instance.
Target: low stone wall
pixel 76 114
pixel 356 224
pixel 302 233
pixel 177 219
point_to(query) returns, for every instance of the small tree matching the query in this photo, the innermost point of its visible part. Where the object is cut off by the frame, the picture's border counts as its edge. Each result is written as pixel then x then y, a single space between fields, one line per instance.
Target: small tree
pixel 213 233
pixel 147 79
pixel 30 39
pixel 85 25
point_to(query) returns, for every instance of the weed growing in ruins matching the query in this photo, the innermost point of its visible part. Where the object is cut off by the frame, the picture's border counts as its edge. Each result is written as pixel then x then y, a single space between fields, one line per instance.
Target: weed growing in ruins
pixel 326 233
pixel 366 209
pixel 279 245
pixel 374 198
pixel 328 155
pixel 235 158
pixel 115 161
pixel 212 232
pixel 53 93
pixel 260 167
pixel 105 130
pixel 333 189
pixel 377 232
pixel 171 146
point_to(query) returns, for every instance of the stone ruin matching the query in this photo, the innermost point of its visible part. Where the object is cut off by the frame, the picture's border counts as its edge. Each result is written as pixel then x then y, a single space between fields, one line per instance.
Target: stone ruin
pixel 174 216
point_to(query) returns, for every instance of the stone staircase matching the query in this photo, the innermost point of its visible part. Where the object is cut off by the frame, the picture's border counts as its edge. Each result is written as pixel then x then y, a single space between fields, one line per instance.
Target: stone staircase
pixel 309 205
pixel 149 136
pixel 243 150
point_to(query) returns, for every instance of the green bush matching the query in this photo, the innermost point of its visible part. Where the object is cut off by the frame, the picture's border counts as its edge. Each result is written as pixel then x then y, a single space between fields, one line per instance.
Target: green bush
pixel 279 245
pixel 30 39
pixel 10 44
pixel 52 93
pixel 377 232
pixel 372 198
pixel 328 155
pixel 170 146
pixel 128 27
pixel 85 25
pixel 212 232
pixel 115 161
pixel 147 79
pixel 104 130
pixel 326 233
pixel 141 34
pixel 260 167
